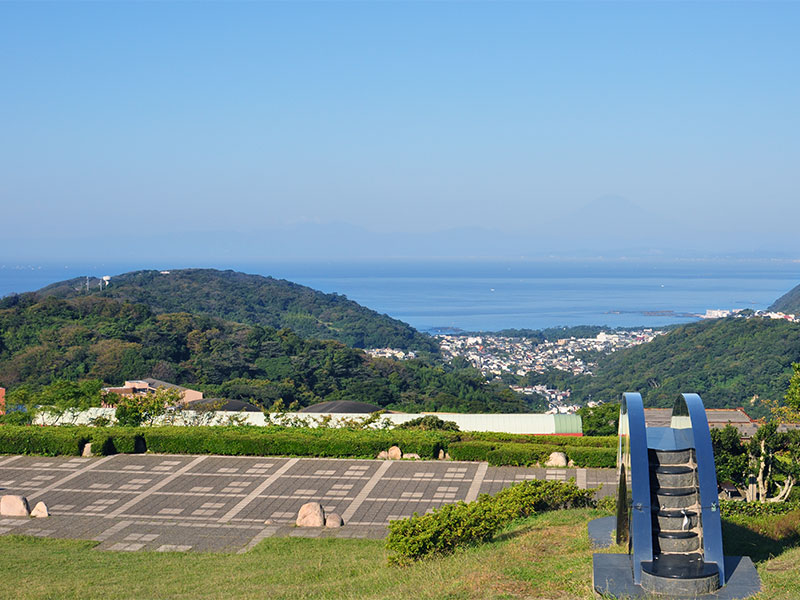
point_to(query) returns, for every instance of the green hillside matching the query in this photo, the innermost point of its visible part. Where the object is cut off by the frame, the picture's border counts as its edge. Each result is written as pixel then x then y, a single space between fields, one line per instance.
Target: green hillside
pixel 788 303
pixel 254 300
pixel 726 361
pixel 93 337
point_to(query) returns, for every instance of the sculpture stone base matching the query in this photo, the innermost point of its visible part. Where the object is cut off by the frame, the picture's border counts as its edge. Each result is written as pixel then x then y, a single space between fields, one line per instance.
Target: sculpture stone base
pixel 613 576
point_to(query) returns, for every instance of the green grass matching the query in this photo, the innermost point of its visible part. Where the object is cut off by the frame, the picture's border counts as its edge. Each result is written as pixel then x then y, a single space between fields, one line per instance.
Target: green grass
pixel 547 556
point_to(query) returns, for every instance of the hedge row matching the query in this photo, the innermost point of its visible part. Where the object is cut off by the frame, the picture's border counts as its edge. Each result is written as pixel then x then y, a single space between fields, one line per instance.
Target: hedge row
pixel 737 508
pixel 609 441
pixel 285 441
pixel 242 441
pixel 455 525
pixel 290 441
pixel 47 441
pixel 515 454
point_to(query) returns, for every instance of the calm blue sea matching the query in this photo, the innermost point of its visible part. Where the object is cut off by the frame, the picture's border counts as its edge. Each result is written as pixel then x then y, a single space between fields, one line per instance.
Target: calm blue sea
pixel 492 295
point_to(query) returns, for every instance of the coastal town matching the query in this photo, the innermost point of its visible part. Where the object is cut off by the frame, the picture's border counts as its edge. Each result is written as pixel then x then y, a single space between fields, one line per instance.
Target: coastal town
pixel 497 355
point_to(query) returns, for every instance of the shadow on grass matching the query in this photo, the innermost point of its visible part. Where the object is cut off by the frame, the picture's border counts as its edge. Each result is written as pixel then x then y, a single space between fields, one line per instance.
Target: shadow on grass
pixel 510 534
pixel 738 540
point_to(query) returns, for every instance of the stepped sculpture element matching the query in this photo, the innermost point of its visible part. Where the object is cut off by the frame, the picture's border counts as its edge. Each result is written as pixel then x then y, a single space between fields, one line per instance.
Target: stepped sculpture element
pixel 668 511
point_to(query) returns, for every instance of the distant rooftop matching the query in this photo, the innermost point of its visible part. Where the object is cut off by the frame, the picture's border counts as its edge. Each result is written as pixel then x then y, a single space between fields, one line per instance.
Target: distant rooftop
pixel 342 406
pixel 717 419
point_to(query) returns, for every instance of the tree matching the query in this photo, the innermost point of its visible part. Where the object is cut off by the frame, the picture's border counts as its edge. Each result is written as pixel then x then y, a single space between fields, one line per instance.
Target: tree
pixel 600 420
pixel 730 455
pixel 792 396
pixel 774 456
pixel 144 409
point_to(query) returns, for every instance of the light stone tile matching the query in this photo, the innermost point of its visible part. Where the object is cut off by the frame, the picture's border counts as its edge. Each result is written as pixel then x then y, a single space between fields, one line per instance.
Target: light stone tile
pixel 173 548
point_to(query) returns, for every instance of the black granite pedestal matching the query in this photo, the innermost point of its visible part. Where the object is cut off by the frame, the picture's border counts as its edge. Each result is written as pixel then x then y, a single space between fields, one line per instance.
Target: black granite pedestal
pixel 613 576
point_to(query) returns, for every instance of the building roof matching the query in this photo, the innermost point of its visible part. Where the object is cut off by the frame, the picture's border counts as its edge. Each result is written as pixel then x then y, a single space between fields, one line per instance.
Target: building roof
pixel 342 406
pixel 717 419
pixel 157 383
pixel 222 404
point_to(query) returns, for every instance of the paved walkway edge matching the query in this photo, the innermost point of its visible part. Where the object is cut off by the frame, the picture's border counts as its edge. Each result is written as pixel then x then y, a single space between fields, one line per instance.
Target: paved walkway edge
pixel 477 481
pixel 257 491
pixel 362 495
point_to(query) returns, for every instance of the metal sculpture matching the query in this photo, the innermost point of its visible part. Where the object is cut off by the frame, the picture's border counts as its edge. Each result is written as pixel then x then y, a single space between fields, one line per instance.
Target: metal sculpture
pixel 667 507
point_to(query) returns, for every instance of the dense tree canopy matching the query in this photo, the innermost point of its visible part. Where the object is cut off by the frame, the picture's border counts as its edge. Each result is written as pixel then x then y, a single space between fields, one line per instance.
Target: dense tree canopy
pixel 94 337
pixel 729 362
pixel 254 300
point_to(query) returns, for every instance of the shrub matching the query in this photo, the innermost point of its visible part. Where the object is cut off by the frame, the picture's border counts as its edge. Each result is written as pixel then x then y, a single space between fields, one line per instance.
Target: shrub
pixel 552 440
pixel 520 455
pixel 737 508
pixel 593 458
pixel 289 441
pixel 470 450
pixel 457 525
pixel 47 441
pixel 429 423
pixel 117 440
pixel 525 454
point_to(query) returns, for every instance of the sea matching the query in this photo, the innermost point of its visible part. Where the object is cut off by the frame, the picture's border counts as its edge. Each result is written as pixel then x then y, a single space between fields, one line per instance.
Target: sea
pixel 490 295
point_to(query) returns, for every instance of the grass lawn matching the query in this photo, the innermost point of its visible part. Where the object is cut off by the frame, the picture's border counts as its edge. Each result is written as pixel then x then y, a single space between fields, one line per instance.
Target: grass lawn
pixel 547 556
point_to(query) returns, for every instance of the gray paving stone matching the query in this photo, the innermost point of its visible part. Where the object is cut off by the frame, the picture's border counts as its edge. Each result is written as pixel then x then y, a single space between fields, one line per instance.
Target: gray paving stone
pixel 220 503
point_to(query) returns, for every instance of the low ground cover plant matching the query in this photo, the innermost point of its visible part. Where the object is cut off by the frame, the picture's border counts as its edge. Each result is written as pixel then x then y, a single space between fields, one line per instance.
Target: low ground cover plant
pixel 454 526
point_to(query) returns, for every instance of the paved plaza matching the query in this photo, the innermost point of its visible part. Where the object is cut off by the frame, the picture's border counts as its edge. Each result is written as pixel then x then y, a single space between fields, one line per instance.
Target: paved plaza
pixel 162 502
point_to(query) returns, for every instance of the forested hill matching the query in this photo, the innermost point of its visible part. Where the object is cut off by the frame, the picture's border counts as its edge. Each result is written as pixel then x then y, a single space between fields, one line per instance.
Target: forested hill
pixel 90 337
pixel 254 300
pixel 788 303
pixel 726 361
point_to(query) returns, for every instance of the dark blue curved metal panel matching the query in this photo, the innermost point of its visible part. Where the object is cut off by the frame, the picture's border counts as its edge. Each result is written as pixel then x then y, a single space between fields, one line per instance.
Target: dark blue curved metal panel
pixel 641 517
pixel 689 412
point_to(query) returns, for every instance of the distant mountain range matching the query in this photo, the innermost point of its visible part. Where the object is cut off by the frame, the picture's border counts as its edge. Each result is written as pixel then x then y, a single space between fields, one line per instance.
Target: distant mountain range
pixel 252 300
pixel 609 226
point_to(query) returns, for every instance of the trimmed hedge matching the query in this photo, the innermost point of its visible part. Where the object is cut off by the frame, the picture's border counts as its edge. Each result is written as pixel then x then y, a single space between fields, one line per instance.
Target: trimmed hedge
pixel 456 525
pixel 470 450
pixel 520 455
pixel 118 440
pixel 511 454
pixel 593 458
pixel 737 508
pixel 47 441
pixel 290 441
pixel 551 440
pixel 280 441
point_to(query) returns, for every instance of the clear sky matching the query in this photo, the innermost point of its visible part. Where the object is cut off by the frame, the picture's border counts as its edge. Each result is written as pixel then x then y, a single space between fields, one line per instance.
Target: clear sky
pixel 399 118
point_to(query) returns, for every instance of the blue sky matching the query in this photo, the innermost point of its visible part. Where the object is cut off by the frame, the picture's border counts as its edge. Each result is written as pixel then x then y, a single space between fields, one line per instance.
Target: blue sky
pixel 401 119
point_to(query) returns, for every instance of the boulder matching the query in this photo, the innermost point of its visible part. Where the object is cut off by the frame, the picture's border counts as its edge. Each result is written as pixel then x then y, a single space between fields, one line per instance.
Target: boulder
pixel 383 454
pixel 412 455
pixel 447 456
pixel 311 515
pixel 557 459
pixel 333 520
pixel 441 454
pixel 14 506
pixel 87 450
pixel 395 453
pixel 40 510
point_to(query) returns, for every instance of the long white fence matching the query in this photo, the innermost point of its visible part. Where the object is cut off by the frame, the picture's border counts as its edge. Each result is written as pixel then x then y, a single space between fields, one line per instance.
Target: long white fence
pixel 538 424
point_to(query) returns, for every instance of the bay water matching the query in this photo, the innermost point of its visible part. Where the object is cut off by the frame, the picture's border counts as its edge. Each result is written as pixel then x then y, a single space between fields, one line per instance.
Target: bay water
pixel 485 295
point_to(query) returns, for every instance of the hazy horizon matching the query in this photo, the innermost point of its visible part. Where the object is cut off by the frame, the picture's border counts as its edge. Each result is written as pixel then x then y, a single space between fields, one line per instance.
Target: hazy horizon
pixel 254 131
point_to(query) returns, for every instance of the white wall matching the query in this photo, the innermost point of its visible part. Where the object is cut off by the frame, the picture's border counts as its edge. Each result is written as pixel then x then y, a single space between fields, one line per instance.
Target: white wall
pixel 506 423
